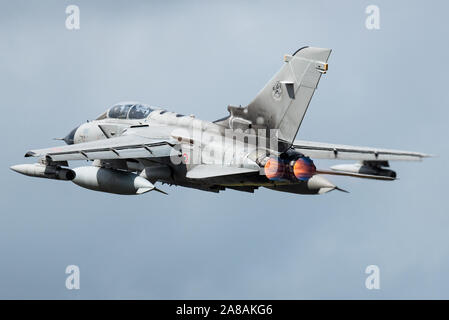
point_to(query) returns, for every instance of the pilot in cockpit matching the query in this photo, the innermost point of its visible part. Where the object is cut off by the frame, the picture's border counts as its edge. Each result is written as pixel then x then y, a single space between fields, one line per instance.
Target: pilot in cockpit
pixel 127 111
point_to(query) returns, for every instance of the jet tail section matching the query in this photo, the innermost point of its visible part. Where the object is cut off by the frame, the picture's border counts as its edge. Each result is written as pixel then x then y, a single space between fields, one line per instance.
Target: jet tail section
pixel 283 102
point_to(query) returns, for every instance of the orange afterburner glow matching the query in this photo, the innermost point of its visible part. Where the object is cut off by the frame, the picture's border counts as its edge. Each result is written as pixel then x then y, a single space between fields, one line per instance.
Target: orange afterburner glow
pixel 274 169
pixel 289 168
pixel 304 168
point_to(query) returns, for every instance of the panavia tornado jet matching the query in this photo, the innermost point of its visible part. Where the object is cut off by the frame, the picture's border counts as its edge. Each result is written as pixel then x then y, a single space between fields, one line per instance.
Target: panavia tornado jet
pixel 133 146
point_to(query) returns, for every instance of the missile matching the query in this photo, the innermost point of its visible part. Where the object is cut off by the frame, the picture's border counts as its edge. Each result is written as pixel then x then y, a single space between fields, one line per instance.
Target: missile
pixel 43 171
pixel 366 168
pixel 353 167
pixel 111 181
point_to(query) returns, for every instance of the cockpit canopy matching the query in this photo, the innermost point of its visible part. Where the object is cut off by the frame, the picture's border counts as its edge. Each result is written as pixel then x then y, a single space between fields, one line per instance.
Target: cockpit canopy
pixel 127 111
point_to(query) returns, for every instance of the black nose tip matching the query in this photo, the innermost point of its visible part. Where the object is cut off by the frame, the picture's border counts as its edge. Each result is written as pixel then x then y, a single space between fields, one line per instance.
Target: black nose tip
pixel 69 138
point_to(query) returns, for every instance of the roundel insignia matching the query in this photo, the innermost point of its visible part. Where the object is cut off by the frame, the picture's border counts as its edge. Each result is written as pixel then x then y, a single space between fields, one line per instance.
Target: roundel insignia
pixel 277 91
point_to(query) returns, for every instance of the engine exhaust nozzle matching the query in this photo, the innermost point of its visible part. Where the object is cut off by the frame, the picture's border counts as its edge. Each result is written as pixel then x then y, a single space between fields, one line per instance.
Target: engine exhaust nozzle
pixel 304 169
pixel 298 168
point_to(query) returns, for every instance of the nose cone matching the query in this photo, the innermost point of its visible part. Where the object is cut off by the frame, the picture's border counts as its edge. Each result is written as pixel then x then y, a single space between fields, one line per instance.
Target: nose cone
pixel 19 168
pixel 69 139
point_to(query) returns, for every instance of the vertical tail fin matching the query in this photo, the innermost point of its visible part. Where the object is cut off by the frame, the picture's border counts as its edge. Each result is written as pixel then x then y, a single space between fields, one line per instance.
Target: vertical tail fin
pixel 283 102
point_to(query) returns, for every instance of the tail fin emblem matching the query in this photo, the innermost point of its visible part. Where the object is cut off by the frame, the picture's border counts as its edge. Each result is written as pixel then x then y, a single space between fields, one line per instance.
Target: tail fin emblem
pixel 277 91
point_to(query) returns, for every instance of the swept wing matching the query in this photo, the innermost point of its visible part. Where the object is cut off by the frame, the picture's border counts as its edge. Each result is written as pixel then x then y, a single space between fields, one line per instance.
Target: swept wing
pixel 321 150
pixel 122 147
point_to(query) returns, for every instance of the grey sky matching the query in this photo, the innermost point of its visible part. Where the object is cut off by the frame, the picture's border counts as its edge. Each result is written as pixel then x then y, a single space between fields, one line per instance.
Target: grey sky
pixel 385 88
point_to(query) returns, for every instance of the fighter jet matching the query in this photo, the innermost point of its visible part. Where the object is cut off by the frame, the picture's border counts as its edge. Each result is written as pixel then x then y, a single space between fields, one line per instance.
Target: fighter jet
pixel 133 146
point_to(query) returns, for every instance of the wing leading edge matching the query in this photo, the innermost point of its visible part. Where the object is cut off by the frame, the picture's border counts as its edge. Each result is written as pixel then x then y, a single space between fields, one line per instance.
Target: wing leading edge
pixel 321 150
pixel 123 147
